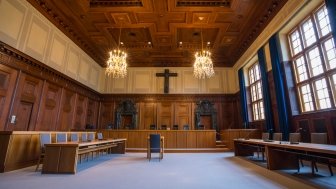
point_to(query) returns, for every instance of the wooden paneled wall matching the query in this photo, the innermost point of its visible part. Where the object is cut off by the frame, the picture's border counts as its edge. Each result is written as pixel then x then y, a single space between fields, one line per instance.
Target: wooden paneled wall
pixel 36 97
pixel 172 109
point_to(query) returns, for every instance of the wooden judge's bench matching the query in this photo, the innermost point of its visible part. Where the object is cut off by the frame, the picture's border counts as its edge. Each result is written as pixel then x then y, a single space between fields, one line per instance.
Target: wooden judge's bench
pixel 174 139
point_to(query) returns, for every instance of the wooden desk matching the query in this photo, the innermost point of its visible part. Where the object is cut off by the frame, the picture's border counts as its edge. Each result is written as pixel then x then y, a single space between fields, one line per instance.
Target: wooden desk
pixel 284 155
pixel 228 135
pixel 62 157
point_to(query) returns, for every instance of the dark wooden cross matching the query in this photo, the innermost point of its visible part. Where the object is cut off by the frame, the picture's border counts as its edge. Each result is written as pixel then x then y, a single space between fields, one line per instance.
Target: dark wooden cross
pixel 166 76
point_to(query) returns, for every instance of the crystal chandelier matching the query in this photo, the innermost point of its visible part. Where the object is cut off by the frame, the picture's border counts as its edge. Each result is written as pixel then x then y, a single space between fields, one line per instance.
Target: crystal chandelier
pixel 203 67
pixel 116 64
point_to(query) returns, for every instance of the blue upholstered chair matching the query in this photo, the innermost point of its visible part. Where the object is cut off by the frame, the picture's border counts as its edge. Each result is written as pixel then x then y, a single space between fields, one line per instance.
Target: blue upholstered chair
pixel 45 138
pixel 100 136
pixel 61 137
pixel 155 145
pixel 84 137
pixel 91 136
pixel 74 137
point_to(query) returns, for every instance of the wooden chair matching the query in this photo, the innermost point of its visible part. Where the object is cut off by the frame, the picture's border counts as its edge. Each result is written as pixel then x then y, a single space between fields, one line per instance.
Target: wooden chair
pixel 264 137
pixel 155 145
pixel 320 138
pixel 61 137
pixel 45 138
pixel 294 138
pixel 277 136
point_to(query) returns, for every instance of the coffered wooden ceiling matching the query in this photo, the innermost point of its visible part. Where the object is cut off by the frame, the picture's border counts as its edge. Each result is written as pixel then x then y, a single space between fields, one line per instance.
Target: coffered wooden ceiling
pixel 162 33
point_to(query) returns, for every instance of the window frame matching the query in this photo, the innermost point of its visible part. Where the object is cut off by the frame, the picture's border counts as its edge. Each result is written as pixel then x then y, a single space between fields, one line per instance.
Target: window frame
pixel 326 74
pixel 260 114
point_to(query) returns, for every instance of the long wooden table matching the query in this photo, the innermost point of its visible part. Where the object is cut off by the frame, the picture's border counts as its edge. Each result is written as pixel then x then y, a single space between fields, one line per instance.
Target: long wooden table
pixel 19 149
pixel 62 157
pixel 283 155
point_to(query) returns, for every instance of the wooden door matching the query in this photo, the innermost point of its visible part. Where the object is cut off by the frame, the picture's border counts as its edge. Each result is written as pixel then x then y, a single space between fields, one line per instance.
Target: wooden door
pixel 165 114
pixel 23 116
pixel 25 104
pixel 7 84
pixel 147 115
pixel 183 114
pixel 206 121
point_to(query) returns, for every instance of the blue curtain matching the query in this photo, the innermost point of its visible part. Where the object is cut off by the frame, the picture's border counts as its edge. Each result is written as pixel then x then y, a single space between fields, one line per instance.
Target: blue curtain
pixel 243 99
pixel 265 90
pixel 331 6
pixel 280 90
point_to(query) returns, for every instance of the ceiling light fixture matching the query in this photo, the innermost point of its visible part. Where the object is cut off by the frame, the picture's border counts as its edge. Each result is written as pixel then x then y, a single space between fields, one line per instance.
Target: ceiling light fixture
pixel 203 67
pixel 117 64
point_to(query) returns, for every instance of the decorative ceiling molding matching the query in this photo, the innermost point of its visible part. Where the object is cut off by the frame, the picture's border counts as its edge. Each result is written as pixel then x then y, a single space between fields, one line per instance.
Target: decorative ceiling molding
pixel 203 3
pixel 116 3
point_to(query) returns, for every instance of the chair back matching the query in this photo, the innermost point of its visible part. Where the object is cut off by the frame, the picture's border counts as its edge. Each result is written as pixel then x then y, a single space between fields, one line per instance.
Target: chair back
pixel 84 137
pixel 45 138
pixel 265 136
pixel 175 127
pixel 294 137
pixel 91 136
pixel 277 136
pixel 74 137
pixel 185 127
pixel 319 138
pixel 100 136
pixel 152 127
pixel 163 127
pixel 201 127
pixel 155 143
pixel 61 137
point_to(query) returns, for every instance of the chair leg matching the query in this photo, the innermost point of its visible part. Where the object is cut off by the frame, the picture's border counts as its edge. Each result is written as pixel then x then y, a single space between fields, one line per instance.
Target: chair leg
pixel 301 163
pixel 312 168
pixel 330 169
pixel 38 163
pixel 316 170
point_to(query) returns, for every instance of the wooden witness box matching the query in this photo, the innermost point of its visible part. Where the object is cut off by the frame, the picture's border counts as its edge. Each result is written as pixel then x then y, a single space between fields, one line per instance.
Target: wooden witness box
pixel 63 157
